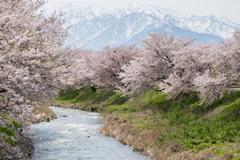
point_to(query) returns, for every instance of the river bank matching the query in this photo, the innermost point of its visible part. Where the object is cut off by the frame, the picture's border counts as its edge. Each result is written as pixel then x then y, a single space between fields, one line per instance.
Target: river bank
pixel 163 129
pixel 23 139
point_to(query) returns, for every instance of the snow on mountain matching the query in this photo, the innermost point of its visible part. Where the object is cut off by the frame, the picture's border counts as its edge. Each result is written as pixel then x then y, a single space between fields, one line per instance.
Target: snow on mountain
pixel 96 27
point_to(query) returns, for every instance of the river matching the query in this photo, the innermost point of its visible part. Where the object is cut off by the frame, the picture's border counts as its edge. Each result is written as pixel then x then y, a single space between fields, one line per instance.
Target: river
pixel 76 137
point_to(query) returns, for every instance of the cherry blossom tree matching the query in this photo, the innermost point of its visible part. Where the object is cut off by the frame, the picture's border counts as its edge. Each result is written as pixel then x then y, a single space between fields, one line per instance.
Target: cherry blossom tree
pixel 224 73
pixel 153 64
pixel 31 60
pixel 108 66
pixel 189 62
pixel 81 72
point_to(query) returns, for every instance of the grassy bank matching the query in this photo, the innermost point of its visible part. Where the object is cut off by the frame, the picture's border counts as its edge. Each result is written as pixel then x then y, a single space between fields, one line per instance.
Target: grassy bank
pixel 163 129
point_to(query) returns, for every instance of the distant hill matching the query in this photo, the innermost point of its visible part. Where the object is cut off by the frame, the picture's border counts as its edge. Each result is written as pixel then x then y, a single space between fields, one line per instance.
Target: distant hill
pixel 96 27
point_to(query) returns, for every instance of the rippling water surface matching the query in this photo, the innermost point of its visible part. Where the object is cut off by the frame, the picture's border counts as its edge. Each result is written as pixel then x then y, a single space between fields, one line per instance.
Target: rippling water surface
pixel 76 137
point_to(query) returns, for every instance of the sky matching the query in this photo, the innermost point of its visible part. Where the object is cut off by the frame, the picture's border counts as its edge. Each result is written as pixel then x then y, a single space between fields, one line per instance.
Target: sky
pixel 227 8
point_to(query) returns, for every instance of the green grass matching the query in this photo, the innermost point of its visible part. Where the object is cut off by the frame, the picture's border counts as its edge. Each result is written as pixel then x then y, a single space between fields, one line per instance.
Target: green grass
pixel 121 109
pixel 2 99
pixel 183 121
pixel 87 97
pixel 197 127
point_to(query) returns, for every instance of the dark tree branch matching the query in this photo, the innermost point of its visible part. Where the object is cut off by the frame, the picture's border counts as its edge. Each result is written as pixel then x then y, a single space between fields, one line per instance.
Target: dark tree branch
pixel 2 90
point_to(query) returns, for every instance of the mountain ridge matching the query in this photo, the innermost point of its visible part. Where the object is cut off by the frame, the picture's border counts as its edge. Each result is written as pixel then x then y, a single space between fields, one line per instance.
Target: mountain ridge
pixel 97 26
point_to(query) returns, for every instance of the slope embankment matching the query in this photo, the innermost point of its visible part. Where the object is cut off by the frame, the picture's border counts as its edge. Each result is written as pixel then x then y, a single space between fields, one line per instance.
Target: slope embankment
pixel 164 129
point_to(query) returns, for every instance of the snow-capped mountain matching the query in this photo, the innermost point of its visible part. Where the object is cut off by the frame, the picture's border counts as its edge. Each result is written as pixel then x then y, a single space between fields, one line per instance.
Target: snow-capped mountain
pixel 97 27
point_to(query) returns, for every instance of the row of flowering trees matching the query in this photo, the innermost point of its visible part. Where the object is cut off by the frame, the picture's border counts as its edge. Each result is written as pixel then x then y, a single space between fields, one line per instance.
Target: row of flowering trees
pixel 32 62
pixel 164 63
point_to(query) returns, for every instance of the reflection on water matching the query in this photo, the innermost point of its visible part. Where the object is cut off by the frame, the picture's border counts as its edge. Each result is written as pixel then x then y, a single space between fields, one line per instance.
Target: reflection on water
pixel 76 137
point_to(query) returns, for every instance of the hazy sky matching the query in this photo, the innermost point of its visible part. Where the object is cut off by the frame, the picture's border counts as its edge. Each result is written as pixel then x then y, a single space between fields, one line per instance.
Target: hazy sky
pixel 227 8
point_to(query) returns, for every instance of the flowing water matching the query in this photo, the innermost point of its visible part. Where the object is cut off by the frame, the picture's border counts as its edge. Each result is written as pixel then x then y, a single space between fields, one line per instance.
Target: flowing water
pixel 76 137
